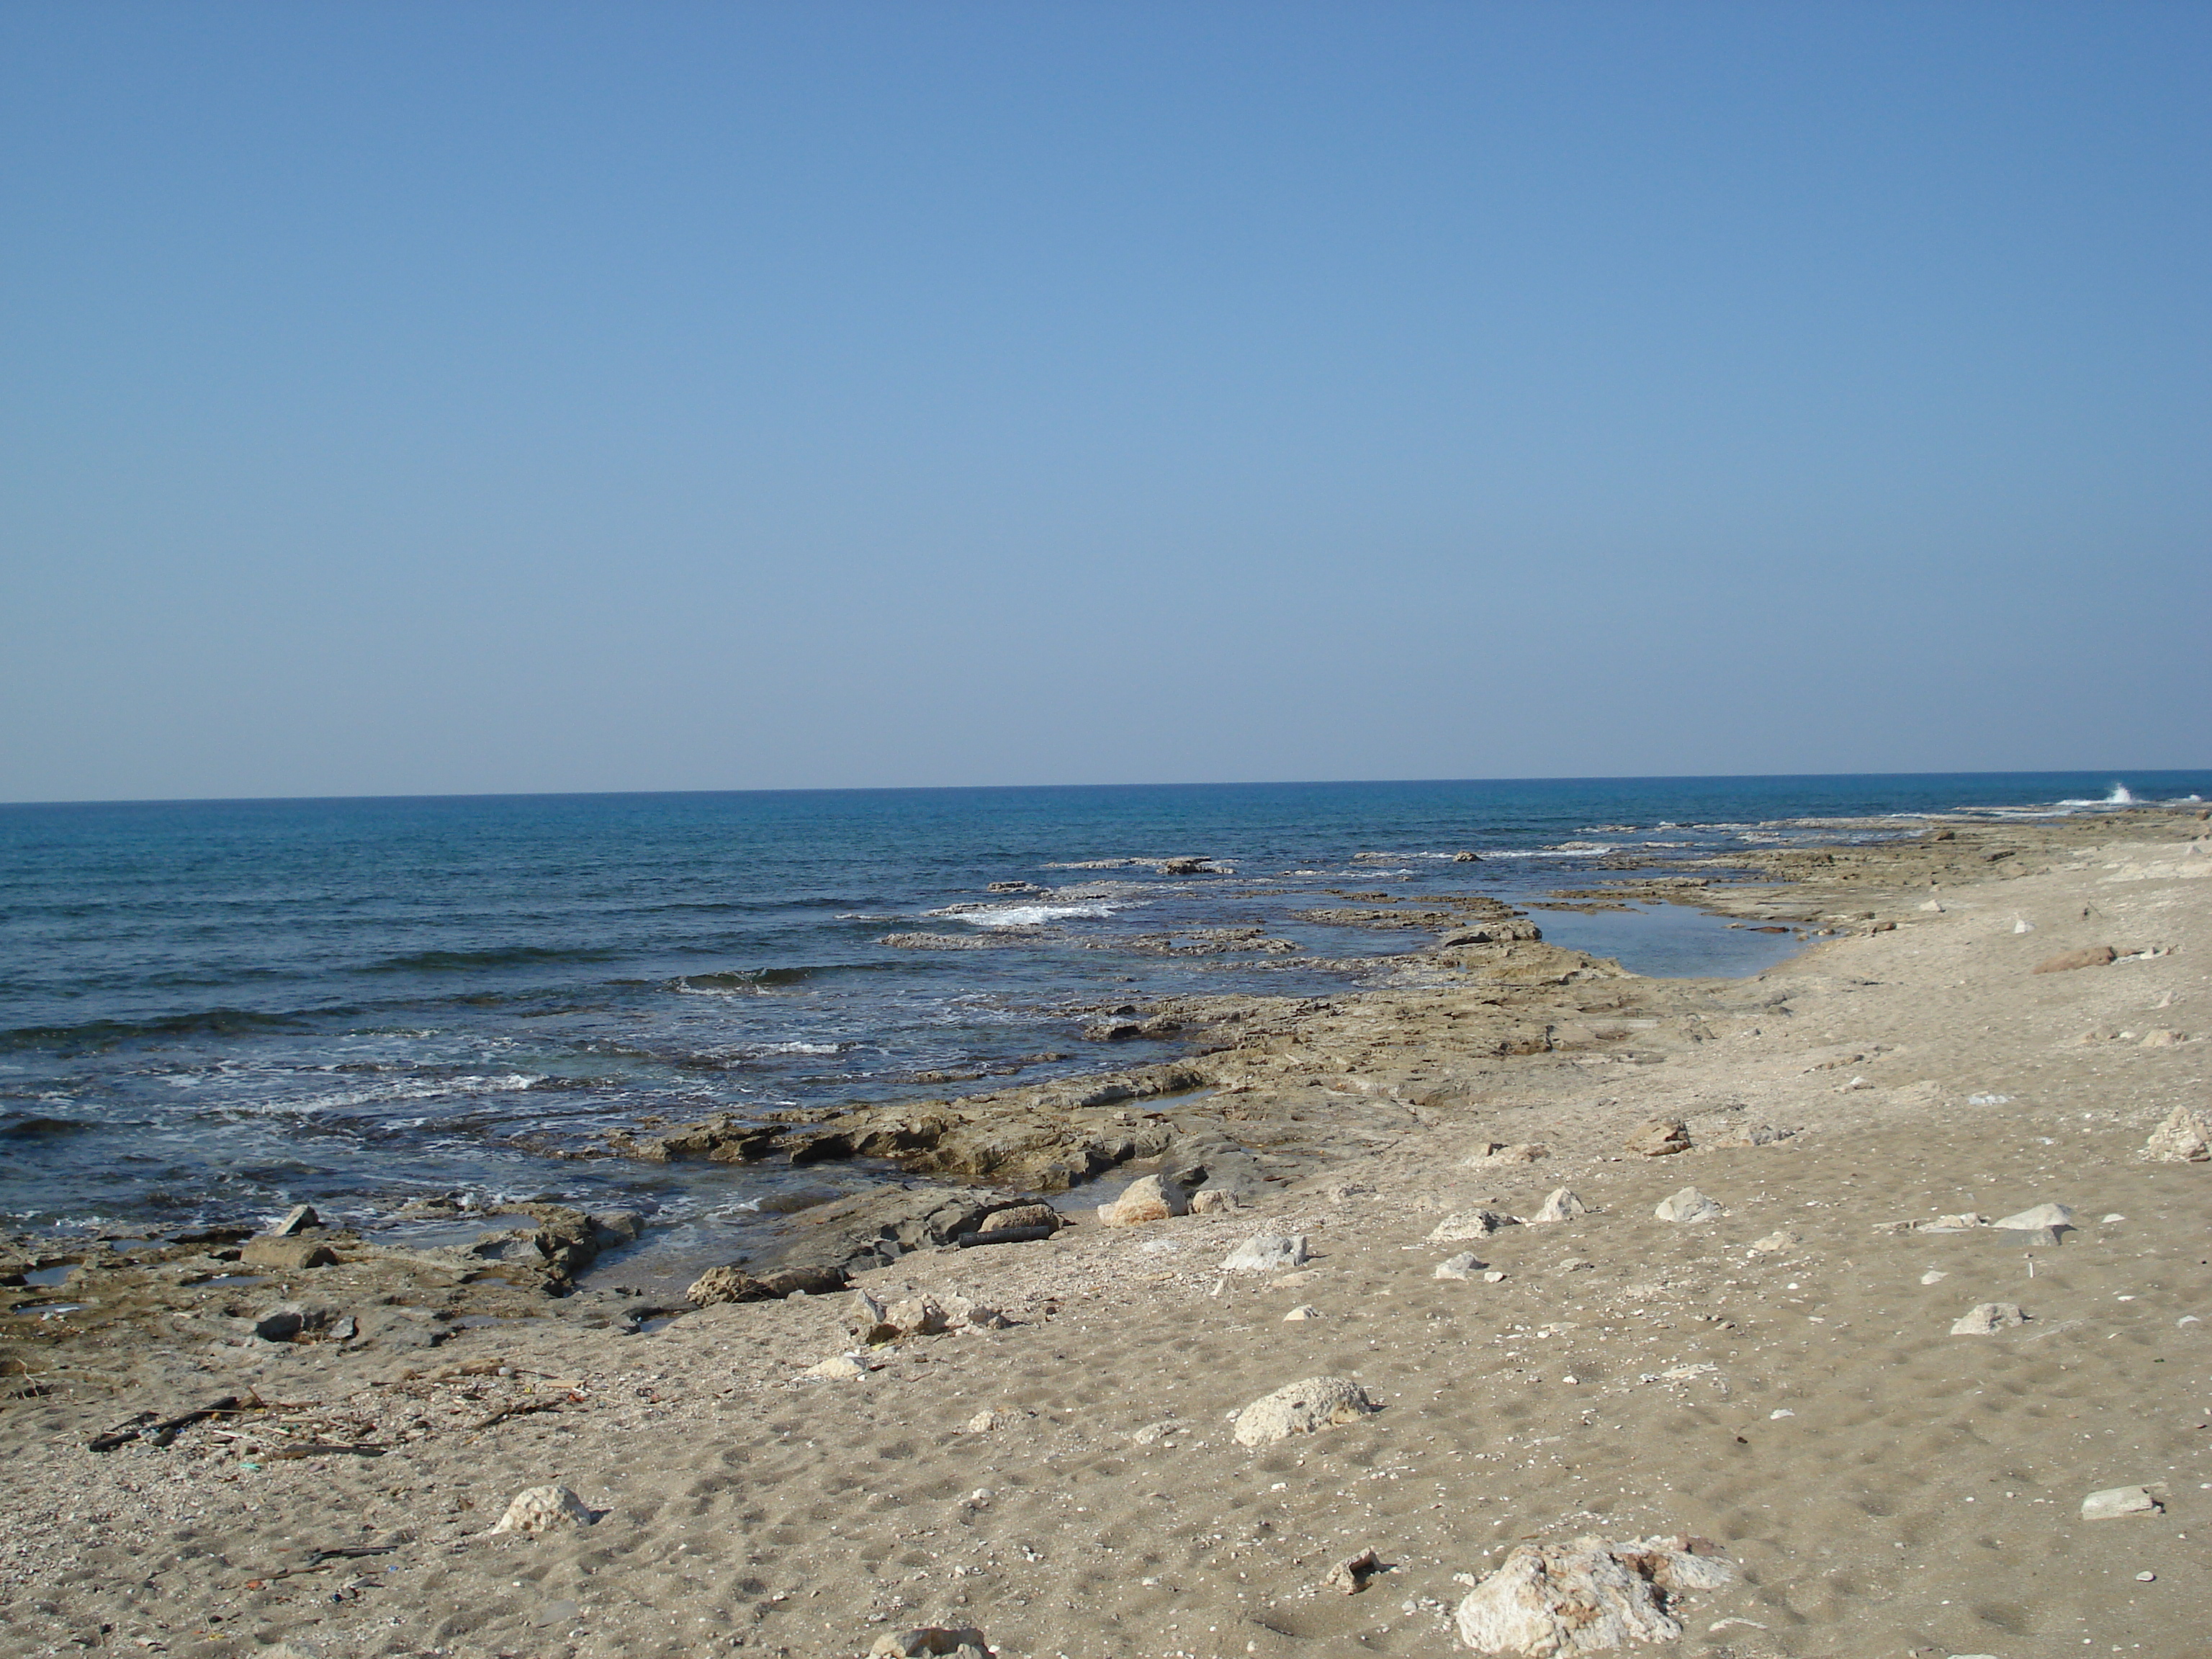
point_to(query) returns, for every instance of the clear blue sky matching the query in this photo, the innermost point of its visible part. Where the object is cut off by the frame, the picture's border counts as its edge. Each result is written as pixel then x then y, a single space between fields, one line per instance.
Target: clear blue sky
pixel 453 397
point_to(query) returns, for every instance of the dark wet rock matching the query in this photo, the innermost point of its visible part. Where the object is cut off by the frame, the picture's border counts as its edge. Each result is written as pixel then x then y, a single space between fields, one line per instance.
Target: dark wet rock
pixel 999 938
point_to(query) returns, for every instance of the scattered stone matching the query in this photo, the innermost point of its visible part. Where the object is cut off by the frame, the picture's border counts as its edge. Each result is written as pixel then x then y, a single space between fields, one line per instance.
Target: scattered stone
pixel 2092 955
pixel 1575 1264
pixel 961 1313
pixel 1561 1206
pixel 1688 1206
pixel 1215 1201
pixel 1304 1310
pixel 868 1320
pixel 1493 1277
pixel 1660 1138
pixel 289 1255
pixel 1748 1135
pixel 2116 1501
pixel 1306 1407
pixel 839 1368
pixel 2185 1137
pixel 1265 1253
pixel 1588 1596
pixel 2161 1038
pixel 1349 1577
pixel 1343 1192
pixel 1934 1276
pixel 1470 1223
pixel 1775 1243
pixel 721 1285
pixel 297 1220
pixel 1463 1265
pixel 2050 1216
pixel 915 1316
pixel 1152 1433
pixel 1025 1218
pixel 1152 1198
pixel 2107 1221
pixel 1988 1318
pixel 1493 1156
pixel 554 1612
pixel 544 1509
pixel 986 1422
pixel 930 1639
pixel 2146 1578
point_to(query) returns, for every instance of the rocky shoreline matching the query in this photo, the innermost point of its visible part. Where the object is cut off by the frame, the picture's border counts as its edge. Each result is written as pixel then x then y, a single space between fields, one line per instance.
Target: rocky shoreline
pixel 1914 1045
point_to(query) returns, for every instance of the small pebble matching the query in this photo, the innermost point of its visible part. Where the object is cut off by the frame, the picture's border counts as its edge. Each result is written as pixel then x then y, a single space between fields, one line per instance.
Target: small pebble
pixel 1932 1276
pixel 2146 1578
pixel 1773 1417
pixel 1493 1277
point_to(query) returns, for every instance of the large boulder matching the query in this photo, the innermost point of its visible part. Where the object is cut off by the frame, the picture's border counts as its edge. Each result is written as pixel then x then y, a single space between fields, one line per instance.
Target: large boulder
pixel 1150 1198
pixel 1470 1223
pixel 1688 1206
pixel 1587 1596
pixel 1307 1408
pixel 2185 1137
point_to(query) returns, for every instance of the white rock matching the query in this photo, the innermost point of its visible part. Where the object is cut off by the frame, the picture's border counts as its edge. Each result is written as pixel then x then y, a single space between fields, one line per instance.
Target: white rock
pixel 1588 1596
pixel 1493 1277
pixel 1306 1407
pixel 2185 1137
pixel 1688 1206
pixel 1988 1318
pixel 2107 1221
pixel 985 1422
pixel 1463 1265
pixel 839 1368
pixel 1775 1243
pixel 2043 1215
pixel 1492 1156
pixel 1561 1206
pixel 1152 1198
pixel 1265 1253
pixel 1152 1433
pixel 543 1508
pixel 1215 1201
pixel 2117 1501
pixel 1304 1310
pixel 1934 1276
pixel 1470 1223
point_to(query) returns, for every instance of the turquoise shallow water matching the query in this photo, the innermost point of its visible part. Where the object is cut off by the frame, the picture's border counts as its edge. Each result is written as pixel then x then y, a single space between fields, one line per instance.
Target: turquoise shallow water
pixel 211 1010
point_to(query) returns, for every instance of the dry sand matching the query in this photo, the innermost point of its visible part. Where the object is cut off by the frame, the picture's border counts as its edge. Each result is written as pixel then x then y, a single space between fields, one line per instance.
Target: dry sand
pixel 1883 1486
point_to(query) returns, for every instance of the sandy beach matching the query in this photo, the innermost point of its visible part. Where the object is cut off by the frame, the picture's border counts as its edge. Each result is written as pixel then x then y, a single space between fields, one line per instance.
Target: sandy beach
pixel 1777 1387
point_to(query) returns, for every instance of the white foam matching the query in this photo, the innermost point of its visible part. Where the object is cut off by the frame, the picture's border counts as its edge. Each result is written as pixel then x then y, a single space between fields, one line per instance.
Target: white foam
pixel 1032 916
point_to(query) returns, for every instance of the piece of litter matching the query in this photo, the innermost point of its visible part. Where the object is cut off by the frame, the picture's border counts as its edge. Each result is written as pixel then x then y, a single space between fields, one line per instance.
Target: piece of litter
pixel 1777 1416
pixel 2146 1578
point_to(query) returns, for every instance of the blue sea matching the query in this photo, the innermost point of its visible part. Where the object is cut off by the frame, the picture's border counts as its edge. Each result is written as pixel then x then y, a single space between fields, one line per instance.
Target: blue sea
pixel 212 1010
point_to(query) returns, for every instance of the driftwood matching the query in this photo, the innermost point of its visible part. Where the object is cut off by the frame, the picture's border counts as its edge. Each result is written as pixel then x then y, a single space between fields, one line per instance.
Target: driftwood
pixel 159 1430
pixel 519 1409
pixel 318 1559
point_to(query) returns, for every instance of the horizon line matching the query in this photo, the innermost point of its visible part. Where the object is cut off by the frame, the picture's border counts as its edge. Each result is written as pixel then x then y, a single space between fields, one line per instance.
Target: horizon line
pixel 987 788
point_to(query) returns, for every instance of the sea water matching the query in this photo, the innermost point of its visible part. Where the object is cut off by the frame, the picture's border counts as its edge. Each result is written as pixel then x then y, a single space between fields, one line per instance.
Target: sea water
pixel 210 1011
